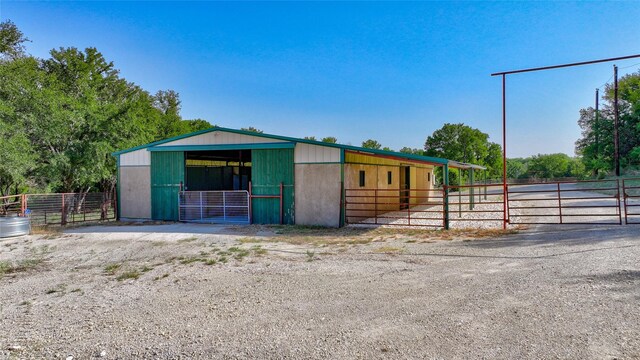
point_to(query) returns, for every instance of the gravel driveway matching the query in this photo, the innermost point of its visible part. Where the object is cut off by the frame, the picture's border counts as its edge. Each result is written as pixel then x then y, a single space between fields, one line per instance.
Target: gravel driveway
pixel 214 292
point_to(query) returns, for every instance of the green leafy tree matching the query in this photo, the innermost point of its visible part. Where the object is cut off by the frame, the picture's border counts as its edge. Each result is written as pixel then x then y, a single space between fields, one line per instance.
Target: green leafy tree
pixel 17 158
pixel 11 41
pixel 312 138
pixel 61 117
pixel 596 142
pixel 252 129
pixel 408 150
pixel 329 139
pixel 371 144
pixel 462 143
pixel 516 168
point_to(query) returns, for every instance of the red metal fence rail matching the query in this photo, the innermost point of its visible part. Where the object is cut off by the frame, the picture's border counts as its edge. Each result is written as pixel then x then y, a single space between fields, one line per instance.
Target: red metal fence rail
pixel 61 208
pixel 414 207
pixel 478 203
pixel 631 192
pixel 426 207
pixel 595 202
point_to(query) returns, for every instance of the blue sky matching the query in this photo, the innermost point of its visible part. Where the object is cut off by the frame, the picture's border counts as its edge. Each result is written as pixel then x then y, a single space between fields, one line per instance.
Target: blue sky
pixel 394 72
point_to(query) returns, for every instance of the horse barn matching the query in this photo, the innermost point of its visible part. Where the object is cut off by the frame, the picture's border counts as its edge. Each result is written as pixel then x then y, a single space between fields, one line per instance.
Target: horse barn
pixel 221 175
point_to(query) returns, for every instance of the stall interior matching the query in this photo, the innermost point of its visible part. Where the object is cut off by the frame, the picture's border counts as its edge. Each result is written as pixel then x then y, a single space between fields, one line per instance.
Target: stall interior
pixel 217 170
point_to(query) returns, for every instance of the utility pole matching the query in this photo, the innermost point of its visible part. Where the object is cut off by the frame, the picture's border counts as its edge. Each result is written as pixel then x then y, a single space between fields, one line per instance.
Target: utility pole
pixel 616 135
pixel 596 125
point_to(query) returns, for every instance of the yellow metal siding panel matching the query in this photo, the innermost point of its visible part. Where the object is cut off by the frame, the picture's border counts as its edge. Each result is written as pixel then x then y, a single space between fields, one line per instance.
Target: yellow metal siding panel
pixel 356 158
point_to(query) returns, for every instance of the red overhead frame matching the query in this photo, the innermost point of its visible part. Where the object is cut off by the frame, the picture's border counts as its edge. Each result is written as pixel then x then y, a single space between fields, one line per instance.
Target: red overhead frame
pixel 504 110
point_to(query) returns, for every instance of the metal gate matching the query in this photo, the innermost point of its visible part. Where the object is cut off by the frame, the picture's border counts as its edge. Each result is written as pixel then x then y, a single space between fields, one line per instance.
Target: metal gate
pixel 565 202
pixel 214 206
pixel 631 192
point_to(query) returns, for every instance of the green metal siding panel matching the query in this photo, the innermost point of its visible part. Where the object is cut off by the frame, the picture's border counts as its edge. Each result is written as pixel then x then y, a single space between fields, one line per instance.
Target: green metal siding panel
pixel 167 173
pixel 269 169
pixel 118 187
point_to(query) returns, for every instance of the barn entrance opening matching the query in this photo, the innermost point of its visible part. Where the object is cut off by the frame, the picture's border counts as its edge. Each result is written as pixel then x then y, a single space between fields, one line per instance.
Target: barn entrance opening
pixel 217 170
pixel 216 187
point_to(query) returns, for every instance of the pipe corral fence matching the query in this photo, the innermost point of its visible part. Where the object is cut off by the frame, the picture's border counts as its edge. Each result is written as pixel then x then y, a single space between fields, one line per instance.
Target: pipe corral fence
pixel 60 208
pixel 593 202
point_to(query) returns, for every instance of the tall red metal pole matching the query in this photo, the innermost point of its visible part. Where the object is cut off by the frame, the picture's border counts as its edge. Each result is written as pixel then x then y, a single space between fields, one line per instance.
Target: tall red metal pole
pixel 504 150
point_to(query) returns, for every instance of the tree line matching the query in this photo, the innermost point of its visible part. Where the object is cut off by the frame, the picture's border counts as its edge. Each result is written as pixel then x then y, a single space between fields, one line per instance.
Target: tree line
pixel 596 145
pixel 61 118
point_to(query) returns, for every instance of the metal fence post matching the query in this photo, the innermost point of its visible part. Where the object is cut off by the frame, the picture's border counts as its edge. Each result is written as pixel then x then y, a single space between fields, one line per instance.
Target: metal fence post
pixel 559 204
pixel 250 199
pixel 224 206
pixel 445 171
pixel 409 209
pixel 23 205
pixel 624 198
pixel 375 205
pixel 471 190
pixel 201 217
pixel 63 218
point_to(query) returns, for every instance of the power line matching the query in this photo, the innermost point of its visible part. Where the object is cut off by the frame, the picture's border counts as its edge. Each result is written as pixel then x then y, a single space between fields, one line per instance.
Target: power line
pixel 626 67
pixel 611 77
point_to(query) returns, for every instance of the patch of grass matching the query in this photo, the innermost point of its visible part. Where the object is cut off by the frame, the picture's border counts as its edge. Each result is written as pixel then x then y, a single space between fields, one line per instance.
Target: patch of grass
pixel 58 289
pixel 49 231
pixel 241 254
pixel 146 268
pixel 249 240
pixel 210 262
pixel 189 239
pixel 223 259
pixel 76 290
pixel 165 275
pixel 7 267
pixel 387 249
pixel 25 303
pixel 191 259
pixel 159 243
pixel 42 250
pixel 132 274
pixel 411 241
pixel 258 250
pixel 112 268
pixel 311 255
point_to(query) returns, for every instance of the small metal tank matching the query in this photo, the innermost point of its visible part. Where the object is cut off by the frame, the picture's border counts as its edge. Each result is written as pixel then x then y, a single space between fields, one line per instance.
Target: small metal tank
pixel 14 226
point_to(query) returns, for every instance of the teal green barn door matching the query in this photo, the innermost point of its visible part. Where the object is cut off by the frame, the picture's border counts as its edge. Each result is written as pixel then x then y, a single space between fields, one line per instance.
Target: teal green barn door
pixel 269 168
pixel 167 173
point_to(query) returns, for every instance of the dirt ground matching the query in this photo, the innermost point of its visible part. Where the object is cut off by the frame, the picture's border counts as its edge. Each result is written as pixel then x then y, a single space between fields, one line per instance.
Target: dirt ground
pixel 201 291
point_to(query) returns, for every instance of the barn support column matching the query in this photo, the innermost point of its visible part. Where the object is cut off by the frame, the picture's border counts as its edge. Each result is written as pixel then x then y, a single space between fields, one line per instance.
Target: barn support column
pixel 471 192
pixel 445 202
pixel 461 183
